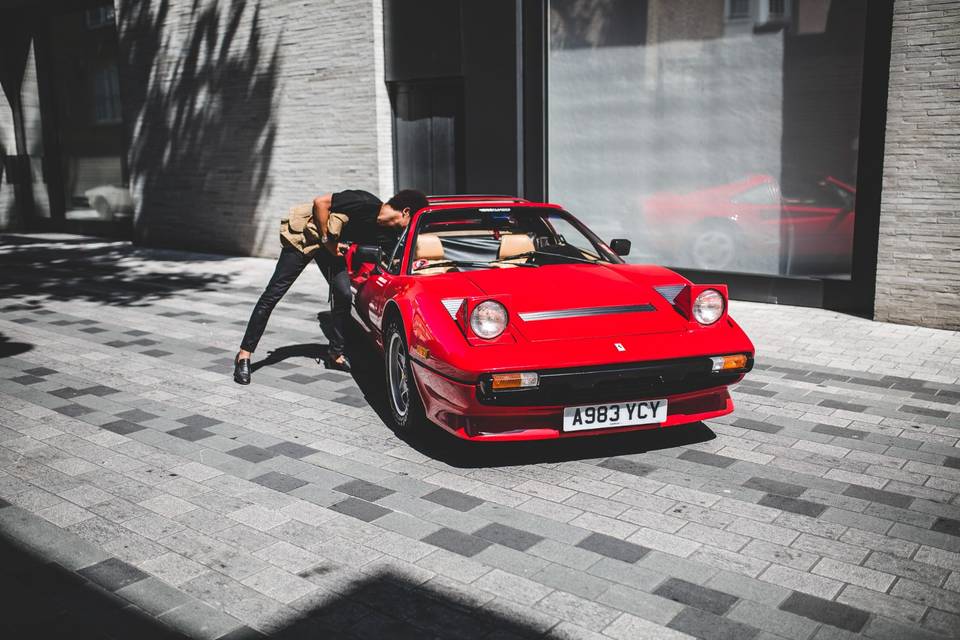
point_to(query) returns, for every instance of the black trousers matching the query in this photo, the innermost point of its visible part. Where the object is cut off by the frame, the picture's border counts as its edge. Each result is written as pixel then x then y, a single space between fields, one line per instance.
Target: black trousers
pixel 290 265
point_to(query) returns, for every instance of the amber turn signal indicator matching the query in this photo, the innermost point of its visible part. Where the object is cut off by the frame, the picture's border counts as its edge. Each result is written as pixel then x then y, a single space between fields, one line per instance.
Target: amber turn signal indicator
pixel 502 381
pixel 723 363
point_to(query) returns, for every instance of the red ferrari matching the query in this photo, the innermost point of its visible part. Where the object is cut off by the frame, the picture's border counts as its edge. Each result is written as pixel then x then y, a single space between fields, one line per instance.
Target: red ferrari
pixel 808 224
pixel 503 319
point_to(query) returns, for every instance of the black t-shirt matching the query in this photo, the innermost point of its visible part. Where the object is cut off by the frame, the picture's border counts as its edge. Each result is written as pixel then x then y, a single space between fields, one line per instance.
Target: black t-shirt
pixel 362 208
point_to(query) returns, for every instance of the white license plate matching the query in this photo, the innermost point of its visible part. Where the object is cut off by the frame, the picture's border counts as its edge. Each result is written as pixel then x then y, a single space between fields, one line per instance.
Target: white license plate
pixel 618 414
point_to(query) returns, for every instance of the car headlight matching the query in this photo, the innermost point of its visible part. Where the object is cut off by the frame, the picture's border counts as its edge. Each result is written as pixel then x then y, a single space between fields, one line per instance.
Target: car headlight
pixel 708 307
pixel 489 319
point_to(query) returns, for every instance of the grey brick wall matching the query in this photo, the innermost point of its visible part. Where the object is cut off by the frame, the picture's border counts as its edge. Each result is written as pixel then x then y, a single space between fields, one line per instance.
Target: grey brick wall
pixel 918 266
pixel 236 110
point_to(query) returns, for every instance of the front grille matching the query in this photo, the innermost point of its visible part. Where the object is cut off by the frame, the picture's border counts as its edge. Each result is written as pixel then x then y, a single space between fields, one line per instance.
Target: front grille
pixel 613 383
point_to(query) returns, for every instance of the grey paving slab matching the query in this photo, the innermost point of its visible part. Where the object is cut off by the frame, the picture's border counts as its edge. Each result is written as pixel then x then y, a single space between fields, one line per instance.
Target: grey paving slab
pixel 292 449
pixel 457 542
pixel 703 624
pixel 199 620
pixel 364 490
pixel 279 481
pixel 613 547
pixel 793 505
pixel 122 427
pixel 360 509
pixel 834 614
pixel 696 596
pixel 251 453
pixel 508 536
pixel 453 499
pixel 112 574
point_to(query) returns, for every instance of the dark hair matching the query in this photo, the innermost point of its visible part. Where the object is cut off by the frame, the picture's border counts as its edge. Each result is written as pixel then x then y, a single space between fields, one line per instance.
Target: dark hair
pixel 408 198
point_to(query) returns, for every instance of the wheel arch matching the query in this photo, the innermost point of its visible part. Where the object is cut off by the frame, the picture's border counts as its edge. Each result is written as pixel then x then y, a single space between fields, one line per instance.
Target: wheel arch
pixel 391 312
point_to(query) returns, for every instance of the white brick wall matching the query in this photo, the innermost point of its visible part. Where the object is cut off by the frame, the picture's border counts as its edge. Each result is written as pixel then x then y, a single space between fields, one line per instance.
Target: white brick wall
pixel 236 111
pixel 918 266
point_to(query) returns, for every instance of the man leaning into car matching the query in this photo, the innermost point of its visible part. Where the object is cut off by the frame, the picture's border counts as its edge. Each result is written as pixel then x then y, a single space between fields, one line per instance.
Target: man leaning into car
pixel 322 233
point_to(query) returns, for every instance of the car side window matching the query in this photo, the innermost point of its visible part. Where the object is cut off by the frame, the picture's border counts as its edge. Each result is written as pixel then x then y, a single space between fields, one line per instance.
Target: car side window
pixel 396 256
pixel 762 194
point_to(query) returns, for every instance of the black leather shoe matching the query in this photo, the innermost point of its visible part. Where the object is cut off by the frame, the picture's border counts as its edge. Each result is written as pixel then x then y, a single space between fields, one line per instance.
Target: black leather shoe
pixel 342 365
pixel 241 371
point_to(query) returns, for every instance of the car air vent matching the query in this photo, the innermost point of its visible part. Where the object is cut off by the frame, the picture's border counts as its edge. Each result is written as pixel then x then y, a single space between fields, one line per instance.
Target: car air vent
pixel 452 305
pixel 670 292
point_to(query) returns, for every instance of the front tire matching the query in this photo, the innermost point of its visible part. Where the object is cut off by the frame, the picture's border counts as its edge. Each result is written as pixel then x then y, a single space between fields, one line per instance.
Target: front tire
pixel 403 398
pixel 714 247
pixel 104 210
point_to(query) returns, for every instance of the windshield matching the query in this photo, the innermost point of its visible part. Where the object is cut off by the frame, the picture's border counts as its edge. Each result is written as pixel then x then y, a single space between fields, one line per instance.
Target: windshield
pixel 502 238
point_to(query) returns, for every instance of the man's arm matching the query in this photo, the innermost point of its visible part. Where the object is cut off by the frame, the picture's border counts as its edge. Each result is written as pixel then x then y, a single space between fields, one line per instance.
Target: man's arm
pixel 321 217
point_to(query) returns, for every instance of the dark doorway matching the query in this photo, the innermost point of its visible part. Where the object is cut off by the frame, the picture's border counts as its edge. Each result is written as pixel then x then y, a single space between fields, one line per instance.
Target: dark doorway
pixel 428 125
pixel 64 96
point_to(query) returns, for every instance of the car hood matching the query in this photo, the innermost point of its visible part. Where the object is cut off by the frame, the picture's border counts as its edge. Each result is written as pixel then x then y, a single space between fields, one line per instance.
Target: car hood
pixel 555 302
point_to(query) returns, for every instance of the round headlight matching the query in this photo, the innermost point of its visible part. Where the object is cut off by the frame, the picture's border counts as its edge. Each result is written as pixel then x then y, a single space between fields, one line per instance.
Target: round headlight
pixel 708 307
pixel 489 319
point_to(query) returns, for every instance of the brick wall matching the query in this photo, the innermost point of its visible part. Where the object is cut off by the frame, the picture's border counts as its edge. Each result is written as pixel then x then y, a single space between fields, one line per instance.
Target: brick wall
pixel 236 110
pixel 918 266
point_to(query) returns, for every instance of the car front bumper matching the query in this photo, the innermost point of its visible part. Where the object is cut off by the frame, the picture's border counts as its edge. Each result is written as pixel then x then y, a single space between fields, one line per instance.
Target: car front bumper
pixel 473 412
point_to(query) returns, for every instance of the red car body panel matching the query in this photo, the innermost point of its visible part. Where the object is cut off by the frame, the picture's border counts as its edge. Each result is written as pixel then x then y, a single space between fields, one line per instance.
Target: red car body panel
pixel 449 363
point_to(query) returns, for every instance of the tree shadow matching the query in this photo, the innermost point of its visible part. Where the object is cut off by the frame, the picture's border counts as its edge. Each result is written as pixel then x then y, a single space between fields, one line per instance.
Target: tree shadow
pixel 42 599
pixel 74 268
pixel 199 114
pixel 9 349
pixel 436 443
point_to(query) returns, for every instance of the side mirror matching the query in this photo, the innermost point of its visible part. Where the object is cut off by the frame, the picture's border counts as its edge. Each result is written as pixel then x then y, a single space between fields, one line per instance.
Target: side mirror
pixel 620 246
pixel 367 254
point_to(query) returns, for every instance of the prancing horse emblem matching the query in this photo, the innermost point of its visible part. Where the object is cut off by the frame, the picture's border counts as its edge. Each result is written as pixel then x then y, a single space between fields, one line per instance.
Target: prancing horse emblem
pixel 619 346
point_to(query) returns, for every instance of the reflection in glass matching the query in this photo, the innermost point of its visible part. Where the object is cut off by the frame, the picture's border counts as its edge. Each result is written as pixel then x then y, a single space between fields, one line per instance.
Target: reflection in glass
pixel 84 61
pixel 717 134
pixel 33 132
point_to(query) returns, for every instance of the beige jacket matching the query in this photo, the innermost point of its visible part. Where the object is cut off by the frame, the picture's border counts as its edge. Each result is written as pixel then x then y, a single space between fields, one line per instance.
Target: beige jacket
pixel 299 231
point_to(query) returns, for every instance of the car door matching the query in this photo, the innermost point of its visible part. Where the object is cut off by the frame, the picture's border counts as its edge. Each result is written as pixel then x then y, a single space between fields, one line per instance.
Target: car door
pixel 813 212
pixel 370 289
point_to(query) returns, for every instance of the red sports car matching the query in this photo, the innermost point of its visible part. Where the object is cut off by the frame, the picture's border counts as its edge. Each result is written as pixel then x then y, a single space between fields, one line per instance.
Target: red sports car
pixel 808 224
pixel 503 319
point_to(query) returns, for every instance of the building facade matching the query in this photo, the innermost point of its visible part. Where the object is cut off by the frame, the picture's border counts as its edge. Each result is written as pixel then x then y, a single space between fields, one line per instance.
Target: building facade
pixel 804 151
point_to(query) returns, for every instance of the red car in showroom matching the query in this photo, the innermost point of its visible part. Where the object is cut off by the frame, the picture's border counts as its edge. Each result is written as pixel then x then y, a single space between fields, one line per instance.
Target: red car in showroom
pixel 503 319
pixel 807 223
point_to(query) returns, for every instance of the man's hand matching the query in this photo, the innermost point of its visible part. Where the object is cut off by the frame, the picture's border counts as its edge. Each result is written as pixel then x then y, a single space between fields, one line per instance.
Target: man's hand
pixel 342 248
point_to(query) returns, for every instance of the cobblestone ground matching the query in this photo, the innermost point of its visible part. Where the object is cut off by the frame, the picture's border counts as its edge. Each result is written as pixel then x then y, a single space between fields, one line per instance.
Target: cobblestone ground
pixel 144 494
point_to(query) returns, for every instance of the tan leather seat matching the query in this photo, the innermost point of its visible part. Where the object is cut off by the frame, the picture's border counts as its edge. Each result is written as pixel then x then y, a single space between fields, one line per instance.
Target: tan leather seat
pixel 513 245
pixel 430 249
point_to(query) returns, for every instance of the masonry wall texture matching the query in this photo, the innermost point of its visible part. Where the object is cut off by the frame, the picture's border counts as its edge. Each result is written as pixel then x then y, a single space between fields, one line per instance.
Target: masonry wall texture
pixel 238 109
pixel 918 264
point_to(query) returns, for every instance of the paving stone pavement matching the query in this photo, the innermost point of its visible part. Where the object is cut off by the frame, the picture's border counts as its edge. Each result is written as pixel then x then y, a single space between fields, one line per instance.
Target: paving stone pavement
pixel 144 494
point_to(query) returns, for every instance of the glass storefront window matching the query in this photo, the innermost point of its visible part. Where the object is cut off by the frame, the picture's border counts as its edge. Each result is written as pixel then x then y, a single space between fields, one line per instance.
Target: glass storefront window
pixel 716 134
pixel 89 118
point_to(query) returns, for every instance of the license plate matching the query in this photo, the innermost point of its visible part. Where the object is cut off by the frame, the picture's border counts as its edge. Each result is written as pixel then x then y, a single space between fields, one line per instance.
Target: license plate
pixel 618 414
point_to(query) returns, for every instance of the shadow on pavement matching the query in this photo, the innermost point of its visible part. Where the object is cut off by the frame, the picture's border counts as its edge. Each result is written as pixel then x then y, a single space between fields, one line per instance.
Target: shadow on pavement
pixel 440 445
pixel 436 443
pixel 95 271
pixel 312 351
pixel 44 600
pixel 8 348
